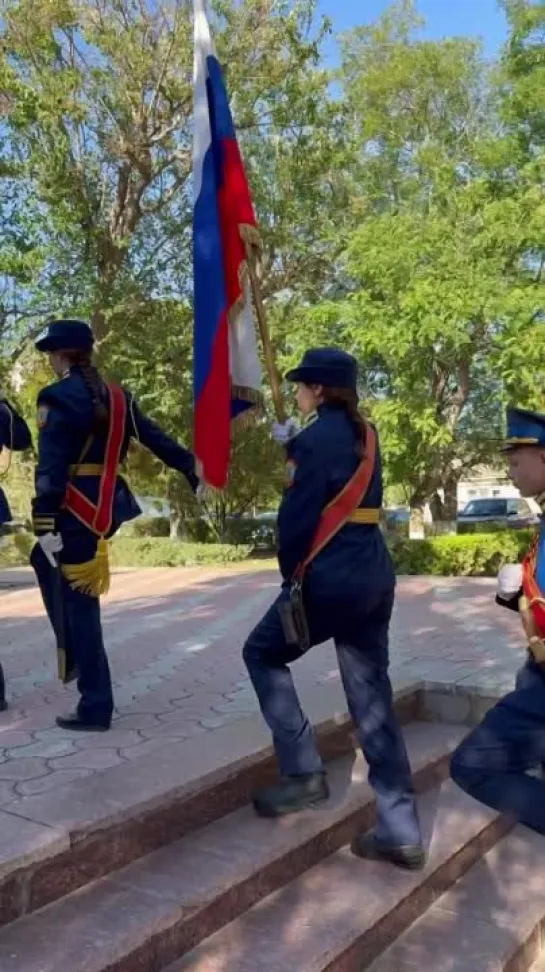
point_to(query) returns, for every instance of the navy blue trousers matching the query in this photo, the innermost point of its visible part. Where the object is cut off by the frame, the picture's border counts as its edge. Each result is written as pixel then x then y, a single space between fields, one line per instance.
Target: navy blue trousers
pixel 362 651
pixel 83 637
pixel 492 763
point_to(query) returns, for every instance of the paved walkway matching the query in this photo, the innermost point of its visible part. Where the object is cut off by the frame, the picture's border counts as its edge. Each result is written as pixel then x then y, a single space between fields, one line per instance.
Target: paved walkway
pixel 174 639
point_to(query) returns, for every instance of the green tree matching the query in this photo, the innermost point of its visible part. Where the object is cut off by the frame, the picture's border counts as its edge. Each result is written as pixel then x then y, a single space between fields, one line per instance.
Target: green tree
pixel 517 181
pixel 442 293
pixel 97 115
pixel 97 103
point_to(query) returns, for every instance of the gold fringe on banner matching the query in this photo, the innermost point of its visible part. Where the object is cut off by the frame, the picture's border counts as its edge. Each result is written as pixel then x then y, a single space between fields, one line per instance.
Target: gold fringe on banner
pixel 250 236
pixel 92 577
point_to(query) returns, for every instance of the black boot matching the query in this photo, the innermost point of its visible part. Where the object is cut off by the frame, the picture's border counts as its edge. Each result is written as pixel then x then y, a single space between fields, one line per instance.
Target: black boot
pixel 412 857
pixel 79 724
pixel 3 703
pixel 291 794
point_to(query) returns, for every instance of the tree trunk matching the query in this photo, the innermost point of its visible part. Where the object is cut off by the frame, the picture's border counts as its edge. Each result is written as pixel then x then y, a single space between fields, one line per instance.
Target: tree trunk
pixel 450 505
pixel 416 520
pixel 437 507
pixel 444 511
pixel 178 526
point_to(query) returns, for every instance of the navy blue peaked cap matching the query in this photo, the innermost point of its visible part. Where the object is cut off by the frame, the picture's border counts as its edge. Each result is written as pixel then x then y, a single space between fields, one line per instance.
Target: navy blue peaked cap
pixel 326 366
pixel 66 335
pixel 524 428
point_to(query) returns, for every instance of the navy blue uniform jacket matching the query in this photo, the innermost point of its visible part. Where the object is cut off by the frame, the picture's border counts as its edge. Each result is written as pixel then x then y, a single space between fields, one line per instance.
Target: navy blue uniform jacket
pixel 14 432
pixel 65 413
pixel 321 460
pixel 15 435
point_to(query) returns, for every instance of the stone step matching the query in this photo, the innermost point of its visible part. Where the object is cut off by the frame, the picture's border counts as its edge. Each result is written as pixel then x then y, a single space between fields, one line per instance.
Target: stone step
pixel 149 913
pixel 341 914
pixel 54 843
pixel 490 921
pixel 361 909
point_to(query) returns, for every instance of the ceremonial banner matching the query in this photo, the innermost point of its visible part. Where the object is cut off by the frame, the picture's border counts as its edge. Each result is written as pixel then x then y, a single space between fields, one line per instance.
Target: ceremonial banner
pixel 227 373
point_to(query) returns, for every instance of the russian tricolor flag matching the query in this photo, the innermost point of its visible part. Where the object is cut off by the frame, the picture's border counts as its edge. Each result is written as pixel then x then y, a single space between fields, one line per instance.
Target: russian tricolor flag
pixel 227 373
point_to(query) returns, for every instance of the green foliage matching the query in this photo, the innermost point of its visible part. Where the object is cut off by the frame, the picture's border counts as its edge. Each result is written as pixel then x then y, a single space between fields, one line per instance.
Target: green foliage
pixel 440 286
pixel 159 552
pixel 97 113
pixel 479 555
pixel 15 549
pixel 402 213
pixel 147 526
pixel 483 528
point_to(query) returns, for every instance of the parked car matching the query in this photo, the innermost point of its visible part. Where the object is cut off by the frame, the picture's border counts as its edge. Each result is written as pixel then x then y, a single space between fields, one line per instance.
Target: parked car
pixel 264 531
pixel 395 517
pixel 515 513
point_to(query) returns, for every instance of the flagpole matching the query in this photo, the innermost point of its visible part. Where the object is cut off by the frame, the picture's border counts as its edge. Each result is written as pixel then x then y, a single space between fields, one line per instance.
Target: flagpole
pixel 268 349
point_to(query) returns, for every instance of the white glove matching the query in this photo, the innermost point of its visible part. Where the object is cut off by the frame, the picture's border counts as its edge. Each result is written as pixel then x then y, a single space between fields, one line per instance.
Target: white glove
pixel 51 543
pixel 282 432
pixel 509 580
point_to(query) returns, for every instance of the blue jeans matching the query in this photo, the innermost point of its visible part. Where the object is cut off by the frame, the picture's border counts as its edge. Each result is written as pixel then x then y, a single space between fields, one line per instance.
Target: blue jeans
pixel 492 763
pixel 362 651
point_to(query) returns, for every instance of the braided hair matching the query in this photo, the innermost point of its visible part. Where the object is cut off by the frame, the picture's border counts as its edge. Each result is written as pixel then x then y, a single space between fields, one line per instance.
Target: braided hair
pixel 83 361
pixel 347 400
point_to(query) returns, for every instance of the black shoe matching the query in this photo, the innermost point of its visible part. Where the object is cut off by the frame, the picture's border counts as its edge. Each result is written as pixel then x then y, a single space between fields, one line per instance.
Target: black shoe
pixel 410 856
pixel 75 722
pixel 291 794
pixel 3 705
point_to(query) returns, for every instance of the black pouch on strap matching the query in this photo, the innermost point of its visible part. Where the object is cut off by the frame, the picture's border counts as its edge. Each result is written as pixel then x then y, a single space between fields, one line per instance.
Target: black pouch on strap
pixel 293 618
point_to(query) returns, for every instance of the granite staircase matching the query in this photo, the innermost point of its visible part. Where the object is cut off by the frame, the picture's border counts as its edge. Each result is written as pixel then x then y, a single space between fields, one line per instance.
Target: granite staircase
pixel 190 880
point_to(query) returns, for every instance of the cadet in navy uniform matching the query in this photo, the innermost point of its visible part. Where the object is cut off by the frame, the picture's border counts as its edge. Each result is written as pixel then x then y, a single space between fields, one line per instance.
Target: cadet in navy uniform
pixel 348 595
pixel 15 437
pixel 492 763
pixel 85 426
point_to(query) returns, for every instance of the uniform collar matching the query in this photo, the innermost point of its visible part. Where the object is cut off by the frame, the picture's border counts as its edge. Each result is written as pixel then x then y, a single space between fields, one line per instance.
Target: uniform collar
pixel 312 416
pixel 540 499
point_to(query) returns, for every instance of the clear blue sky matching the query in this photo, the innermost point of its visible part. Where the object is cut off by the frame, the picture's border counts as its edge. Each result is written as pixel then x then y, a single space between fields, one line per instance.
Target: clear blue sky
pixel 444 18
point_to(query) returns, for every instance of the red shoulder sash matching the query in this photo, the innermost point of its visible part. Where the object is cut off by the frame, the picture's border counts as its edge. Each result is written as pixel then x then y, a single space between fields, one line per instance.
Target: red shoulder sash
pixel 98 517
pixel 535 596
pixel 346 502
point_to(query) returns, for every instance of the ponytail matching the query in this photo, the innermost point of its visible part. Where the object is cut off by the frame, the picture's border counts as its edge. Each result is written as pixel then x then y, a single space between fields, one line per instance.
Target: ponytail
pixel 347 400
pixel 82 360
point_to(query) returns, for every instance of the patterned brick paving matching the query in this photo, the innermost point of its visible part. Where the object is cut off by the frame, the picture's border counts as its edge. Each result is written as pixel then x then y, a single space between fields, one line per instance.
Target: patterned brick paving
pixel 174 639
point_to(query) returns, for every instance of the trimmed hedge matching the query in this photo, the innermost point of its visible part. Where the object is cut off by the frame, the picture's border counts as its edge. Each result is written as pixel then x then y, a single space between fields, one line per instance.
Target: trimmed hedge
pixel 473 555
pixel 147 526
pixel 162 552
pixel 492 526
pixel 479 555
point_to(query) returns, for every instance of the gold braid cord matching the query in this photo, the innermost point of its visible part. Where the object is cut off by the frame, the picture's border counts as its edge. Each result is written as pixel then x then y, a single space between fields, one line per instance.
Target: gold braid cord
pixel 93 577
